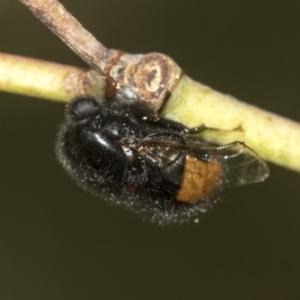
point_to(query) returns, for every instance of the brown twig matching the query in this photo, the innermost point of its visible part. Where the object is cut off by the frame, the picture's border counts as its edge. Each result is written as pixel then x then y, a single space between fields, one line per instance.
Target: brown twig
pixel 148 79
pixel 71 32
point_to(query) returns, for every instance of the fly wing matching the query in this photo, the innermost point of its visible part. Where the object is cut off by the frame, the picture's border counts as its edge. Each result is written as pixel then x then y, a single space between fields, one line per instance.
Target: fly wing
pixel 239 164
pixel 163 150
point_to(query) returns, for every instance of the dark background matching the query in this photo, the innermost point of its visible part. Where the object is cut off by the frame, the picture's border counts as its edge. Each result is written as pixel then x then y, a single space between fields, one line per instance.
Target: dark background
pixel 58 242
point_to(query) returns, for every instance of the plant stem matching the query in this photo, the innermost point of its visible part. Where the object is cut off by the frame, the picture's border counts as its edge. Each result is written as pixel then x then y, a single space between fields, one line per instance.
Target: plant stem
pixel 37 78
pixel 54 15
pixel 275 138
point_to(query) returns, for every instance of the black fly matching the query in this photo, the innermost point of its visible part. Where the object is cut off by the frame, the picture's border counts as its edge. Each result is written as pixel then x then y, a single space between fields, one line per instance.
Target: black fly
pixel 158 169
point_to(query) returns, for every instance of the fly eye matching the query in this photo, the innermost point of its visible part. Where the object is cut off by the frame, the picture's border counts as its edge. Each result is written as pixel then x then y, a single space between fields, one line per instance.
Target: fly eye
pixel 82 108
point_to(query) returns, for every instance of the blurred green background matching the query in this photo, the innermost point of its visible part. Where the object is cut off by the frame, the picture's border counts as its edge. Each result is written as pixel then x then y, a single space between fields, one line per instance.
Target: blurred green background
pixel 58 242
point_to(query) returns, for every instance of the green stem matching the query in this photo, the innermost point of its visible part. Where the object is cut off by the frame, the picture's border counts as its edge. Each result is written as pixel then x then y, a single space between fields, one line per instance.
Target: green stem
pixel 275 138
pixel 46 80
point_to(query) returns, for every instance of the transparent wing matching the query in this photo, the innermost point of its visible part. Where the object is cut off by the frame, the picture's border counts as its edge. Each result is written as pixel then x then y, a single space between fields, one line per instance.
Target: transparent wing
pixel 163 150
pixel 239 164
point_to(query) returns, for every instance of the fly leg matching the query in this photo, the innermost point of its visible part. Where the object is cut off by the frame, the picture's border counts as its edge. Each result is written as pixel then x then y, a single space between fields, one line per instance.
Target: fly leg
pixel 180 128
pixel 203 127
